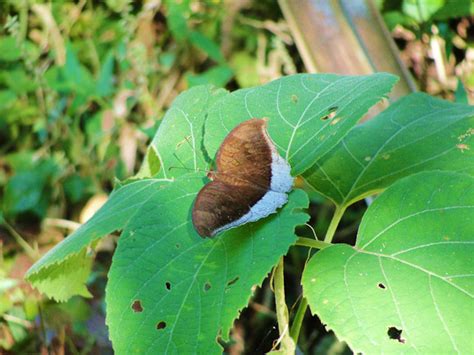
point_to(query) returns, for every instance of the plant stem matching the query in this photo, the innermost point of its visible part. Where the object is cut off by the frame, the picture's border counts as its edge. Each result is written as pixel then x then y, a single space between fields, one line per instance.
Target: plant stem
pixel 317 244
pixel 23 22
pixel 336 218
pixel 32 253
pixel 298 321
pixel 287 346
pixel 61 223
pixel 311 243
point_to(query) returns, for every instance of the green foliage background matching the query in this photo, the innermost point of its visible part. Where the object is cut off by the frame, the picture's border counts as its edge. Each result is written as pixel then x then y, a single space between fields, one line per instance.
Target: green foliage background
pixel 83 88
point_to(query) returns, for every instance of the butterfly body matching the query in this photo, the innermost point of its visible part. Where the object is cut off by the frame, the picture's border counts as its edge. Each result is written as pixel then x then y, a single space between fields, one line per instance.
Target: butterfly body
pixel 251 181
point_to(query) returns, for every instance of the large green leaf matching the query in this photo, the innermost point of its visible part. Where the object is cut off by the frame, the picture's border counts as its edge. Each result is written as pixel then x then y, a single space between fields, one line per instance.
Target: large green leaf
pixel 47 273
pixel 411 270
pixel 165 276
pixel 414 134
pixel 308 114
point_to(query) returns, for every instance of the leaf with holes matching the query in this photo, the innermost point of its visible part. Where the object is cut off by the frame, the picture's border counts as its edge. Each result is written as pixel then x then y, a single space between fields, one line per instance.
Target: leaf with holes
pixel 171 291
pixel 407 285
pixel 308 113
pixel 416 133
pixel 168 288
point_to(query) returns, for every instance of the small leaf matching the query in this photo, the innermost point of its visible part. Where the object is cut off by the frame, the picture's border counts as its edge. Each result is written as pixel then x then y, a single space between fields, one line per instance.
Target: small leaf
pixel 406 286
pixel 189 289
pixel 72 78
pixel 218 76
pixel 422 11
pixel 178 12
pixel 454 8
pixel 416 133
pixel 22 192
pixel 105 82
pixel 207 46
pixel 308 113
pixel 27 190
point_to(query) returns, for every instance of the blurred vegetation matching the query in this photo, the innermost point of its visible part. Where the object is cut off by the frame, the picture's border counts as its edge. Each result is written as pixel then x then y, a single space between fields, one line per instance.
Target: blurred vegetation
pixel 83 85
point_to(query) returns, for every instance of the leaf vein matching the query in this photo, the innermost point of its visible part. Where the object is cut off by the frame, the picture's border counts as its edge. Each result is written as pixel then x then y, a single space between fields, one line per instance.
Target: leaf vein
pixel 390 226
pixel 438 312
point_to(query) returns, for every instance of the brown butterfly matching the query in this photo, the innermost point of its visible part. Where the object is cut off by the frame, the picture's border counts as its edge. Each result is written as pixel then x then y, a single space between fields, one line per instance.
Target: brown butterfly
pixel 251 181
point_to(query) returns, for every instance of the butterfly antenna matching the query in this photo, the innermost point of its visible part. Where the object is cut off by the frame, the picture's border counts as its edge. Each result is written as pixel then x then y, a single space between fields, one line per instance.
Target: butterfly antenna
pixel 184 167
pixel 181 162
pixel 193 148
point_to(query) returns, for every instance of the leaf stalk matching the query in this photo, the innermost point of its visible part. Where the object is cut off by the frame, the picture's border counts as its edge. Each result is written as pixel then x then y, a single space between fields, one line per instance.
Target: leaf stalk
pixel 287 346
pixel 336 218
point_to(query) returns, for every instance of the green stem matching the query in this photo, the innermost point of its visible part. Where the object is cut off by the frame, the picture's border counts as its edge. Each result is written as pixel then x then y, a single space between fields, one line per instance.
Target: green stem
pixel 311 243
pixel 336 218
pixel 287 346
pixel 23 21
pixel 298 321
pixel 18 238
pixel 317 244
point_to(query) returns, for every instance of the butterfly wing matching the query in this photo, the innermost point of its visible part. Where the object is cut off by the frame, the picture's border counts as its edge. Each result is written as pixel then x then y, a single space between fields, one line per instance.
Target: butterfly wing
pixel 245 155
pixel 243 189
pixel 220 206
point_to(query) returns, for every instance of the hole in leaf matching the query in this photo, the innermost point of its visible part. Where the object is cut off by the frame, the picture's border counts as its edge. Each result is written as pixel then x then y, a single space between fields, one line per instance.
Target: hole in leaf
pixel 161 325
pixel 137 306
pixel 233 281
pixel 207 286
pixel 395 334
pixel 331 113
pixel 168 285
pixel 382 286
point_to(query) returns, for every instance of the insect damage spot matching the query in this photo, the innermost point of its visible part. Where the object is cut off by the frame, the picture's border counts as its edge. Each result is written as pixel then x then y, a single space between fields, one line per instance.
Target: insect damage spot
pixel 161 325
pixel 137 306
pixel 335 121
pixel 207 286
pixel 168 285
pixel 233 281
pixel 467 134
pixel 331 113
pixel 178 246
pixel 395 334
pixel 382 286
pixel 294 98
pixel 462 147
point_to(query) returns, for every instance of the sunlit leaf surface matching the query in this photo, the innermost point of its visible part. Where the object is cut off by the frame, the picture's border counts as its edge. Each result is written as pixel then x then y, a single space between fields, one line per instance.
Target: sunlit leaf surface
pixel 416 133
pixel 407 285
